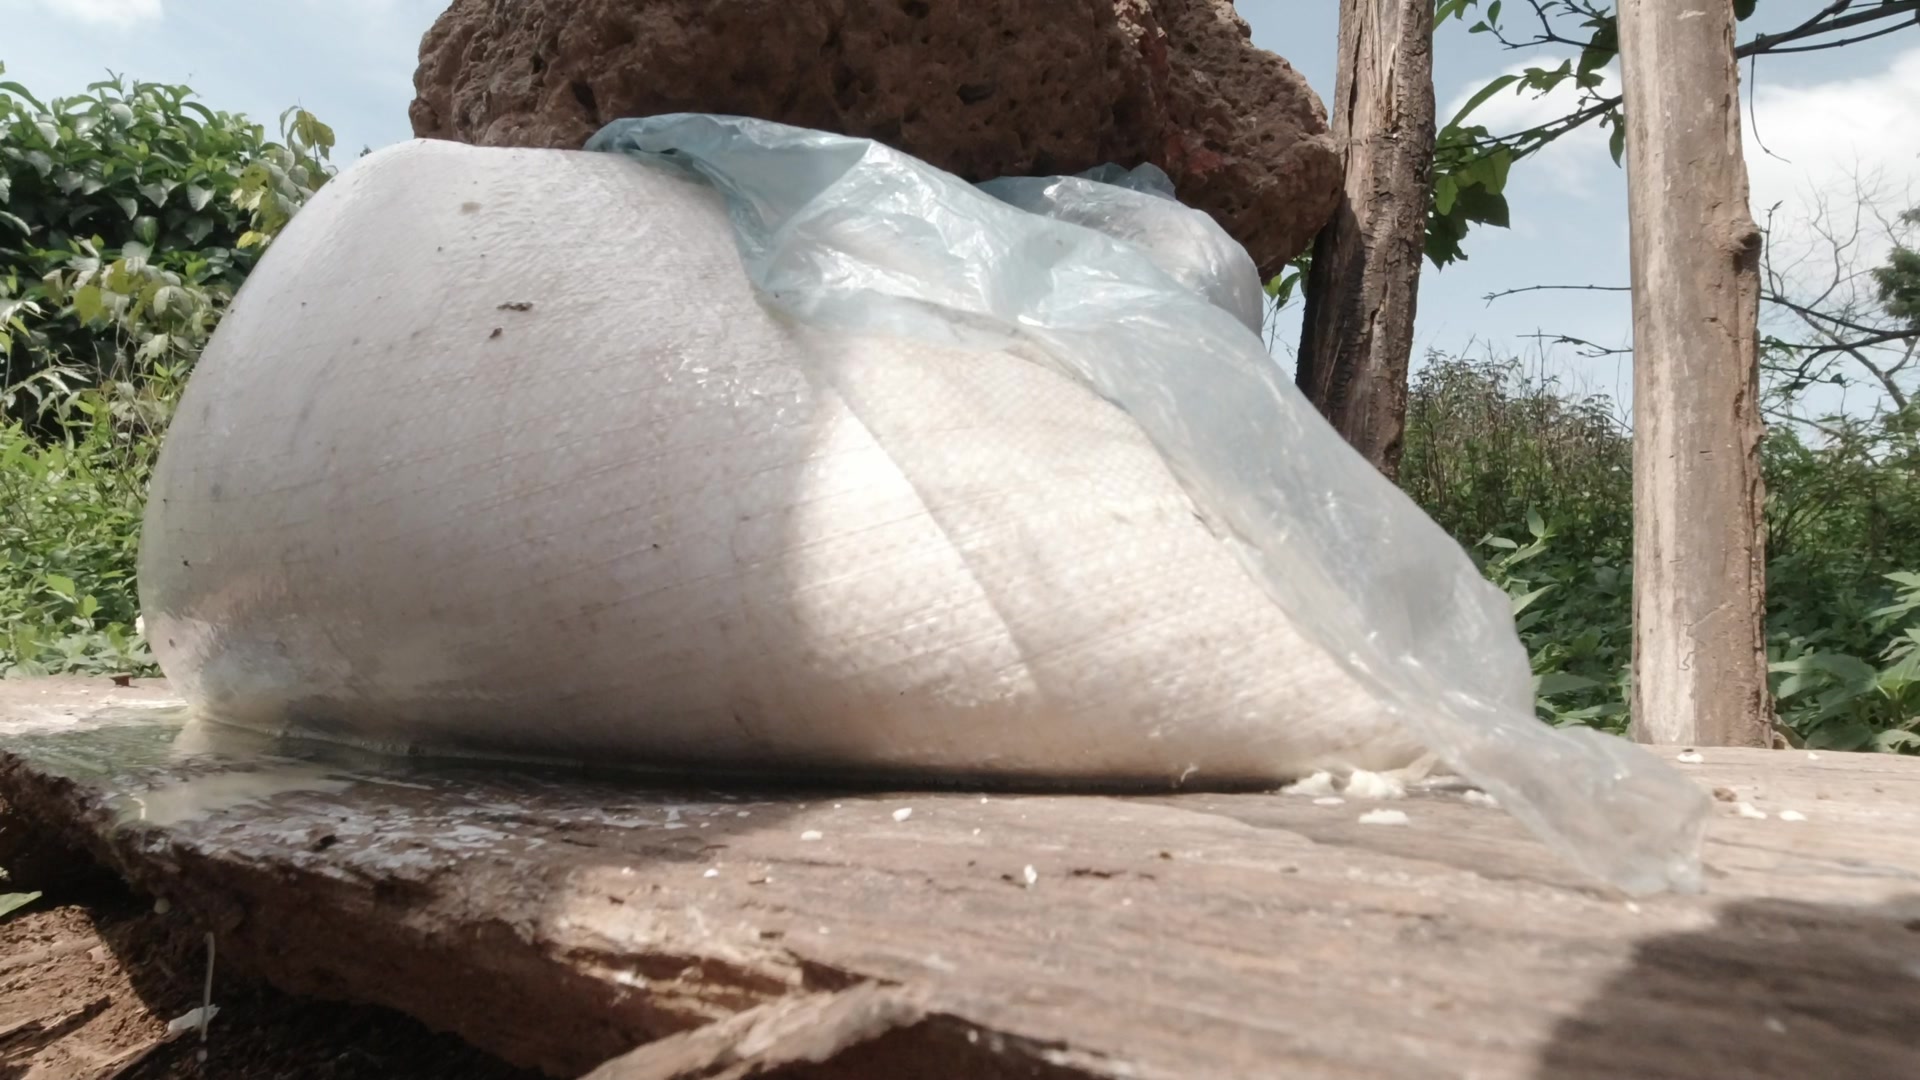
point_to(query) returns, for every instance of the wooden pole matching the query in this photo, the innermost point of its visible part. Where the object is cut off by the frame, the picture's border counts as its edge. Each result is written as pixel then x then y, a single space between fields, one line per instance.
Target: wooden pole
pixel 1356 335
pixel 1699 587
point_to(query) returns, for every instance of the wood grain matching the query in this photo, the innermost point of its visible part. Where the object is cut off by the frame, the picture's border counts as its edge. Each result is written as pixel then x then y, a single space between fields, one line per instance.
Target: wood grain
pixel 563 919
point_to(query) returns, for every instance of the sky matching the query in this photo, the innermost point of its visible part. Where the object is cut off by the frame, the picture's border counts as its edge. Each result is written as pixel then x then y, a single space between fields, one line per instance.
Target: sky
pixel 1825 119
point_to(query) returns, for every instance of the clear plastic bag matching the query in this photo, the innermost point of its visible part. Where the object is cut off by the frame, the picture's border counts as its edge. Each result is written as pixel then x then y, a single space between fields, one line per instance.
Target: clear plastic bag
pixel 853 238
pixel 1138 206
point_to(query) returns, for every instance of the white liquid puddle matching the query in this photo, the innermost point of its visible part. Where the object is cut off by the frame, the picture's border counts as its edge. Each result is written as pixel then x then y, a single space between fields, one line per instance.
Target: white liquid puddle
pixel 204 796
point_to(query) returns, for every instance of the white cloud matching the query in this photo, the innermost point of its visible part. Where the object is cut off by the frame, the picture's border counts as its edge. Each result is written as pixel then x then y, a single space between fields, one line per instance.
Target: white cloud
pixel 1830 140
pixel 106 12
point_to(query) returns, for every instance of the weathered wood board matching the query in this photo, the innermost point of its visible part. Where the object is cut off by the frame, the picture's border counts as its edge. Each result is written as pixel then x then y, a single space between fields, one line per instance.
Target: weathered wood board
pixel 563 920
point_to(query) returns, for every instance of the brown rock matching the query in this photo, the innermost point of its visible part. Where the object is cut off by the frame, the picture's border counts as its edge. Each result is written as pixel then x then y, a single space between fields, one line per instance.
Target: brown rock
pixel 983 88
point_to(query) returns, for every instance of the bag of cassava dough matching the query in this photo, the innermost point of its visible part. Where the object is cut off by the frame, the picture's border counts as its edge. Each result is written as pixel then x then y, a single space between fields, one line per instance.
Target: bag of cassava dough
pixel 744 448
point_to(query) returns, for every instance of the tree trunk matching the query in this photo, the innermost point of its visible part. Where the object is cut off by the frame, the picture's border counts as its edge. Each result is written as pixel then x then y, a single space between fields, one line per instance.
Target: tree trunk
pixel 1699 585
pixel 1357 334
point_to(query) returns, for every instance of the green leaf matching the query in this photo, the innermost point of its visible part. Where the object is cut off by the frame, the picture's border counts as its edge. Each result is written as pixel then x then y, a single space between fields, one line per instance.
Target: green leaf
pixel 19 91
pixel 1853 674
pixel 1895 741
pixel 1480 97
pixel 1846 735
pixel 1545 79
pixel 1445 191
pixel 1742 10
pixel 1521 603
pixel 1486 207
pixel 63 587
pixel 1499 163
pixel 198 196
pixel 14 901
pixel 1561 682
pixel 88 304
pixel 1617 142
pixel 312 133
pixel 127 206
pixel 1535 525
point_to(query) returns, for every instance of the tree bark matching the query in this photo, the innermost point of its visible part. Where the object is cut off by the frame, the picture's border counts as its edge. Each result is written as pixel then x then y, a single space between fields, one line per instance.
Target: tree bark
pixel 1357 334
pixel 1699 587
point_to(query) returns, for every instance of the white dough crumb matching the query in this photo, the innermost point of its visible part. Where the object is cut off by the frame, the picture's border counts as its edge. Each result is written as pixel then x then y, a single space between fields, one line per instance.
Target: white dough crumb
pixel 1479 798
pixel 903 813
pixel 1748 810
pixel 1811 756
pixel 1633 907
pixel 1032 876
pixel 1384 817
pixel 1689 757
pixel 811 834
pixel 1776 1025
pixel 1329 800
pixel 1792 815
pixel 976 832
pixel 1372 785
pixel 744 813
pixel 1320 783
pixel 711 872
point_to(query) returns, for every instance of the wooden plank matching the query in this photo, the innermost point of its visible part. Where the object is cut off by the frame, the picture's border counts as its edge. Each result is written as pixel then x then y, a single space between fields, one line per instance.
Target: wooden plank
pixel 562 920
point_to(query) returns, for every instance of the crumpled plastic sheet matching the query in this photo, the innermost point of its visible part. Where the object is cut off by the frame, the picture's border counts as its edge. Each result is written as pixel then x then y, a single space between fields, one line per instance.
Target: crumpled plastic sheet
pixel 1138 206
pixel 852 236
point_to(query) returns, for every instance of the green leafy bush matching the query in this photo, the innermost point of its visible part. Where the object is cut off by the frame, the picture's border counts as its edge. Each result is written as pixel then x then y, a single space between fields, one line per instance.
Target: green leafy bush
pixel 67 549
pixel 1538 484
pixel 129 215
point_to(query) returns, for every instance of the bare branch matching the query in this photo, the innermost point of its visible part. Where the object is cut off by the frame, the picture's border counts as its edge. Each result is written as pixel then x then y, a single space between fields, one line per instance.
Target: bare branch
pixel 1809 313
pixel 1492 296
pixel 1827 21
pixel 1590 350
